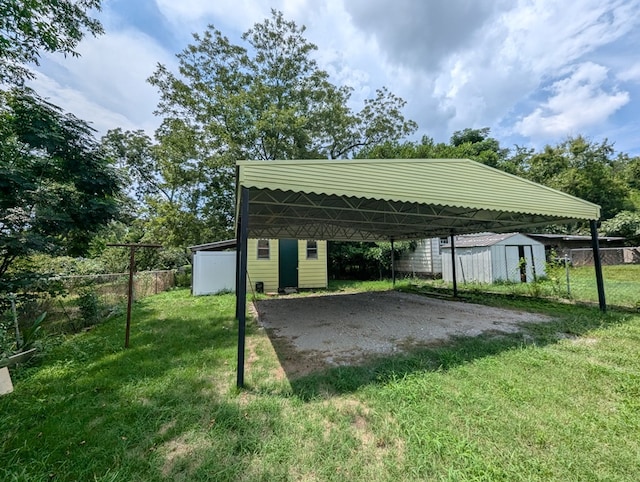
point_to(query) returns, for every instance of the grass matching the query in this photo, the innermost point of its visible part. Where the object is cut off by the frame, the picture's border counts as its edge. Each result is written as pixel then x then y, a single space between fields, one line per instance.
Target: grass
pixel 621 283
pixel 560 402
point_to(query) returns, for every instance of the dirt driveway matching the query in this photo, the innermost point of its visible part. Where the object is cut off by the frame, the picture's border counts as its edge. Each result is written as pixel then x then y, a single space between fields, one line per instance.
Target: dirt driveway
pixel 328 330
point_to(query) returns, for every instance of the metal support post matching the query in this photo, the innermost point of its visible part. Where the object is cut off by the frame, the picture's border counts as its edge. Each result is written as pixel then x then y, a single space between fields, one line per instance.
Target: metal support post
pixel 453 264
pixel 241 275
pixel 597 265
pixel 393 264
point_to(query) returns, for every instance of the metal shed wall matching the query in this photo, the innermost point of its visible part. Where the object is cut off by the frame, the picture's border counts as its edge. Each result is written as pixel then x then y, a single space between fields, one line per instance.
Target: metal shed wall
pixel 496 262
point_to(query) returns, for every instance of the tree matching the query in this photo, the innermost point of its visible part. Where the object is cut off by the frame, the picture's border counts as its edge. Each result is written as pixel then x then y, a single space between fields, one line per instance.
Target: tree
pixel 265 99
pixel 478 146
pixel 474 144
pixel 584 169
pixel 56 186
pixel 28 27
pixel 184 201
pixel 270 100
pixel 625 224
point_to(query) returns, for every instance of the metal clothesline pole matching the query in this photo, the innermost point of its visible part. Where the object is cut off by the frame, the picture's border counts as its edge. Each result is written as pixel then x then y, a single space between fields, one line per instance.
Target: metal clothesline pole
pixel 132 263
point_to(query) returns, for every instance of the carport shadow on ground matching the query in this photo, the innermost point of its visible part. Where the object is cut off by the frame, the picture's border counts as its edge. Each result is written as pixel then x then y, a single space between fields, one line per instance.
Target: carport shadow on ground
pixel 340 342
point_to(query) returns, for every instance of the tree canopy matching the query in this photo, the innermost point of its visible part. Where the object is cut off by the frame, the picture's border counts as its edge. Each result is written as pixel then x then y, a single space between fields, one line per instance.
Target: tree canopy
pixel 265 98
pixel 268 99
pixel 56 185
pixel 182 200
pixel 28 27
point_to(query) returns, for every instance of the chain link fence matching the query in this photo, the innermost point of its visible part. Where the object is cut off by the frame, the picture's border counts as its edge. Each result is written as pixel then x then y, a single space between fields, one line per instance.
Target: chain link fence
pixel 88 299
pixel 608 256
pixel 571 278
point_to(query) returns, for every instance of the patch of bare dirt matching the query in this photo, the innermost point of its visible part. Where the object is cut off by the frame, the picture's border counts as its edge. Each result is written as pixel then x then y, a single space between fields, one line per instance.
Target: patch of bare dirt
pixel 178 450
pixel 315 332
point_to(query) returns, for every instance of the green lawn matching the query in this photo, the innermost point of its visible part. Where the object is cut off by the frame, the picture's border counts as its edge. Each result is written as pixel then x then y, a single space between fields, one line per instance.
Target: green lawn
pixel 561 403
pixel 621 283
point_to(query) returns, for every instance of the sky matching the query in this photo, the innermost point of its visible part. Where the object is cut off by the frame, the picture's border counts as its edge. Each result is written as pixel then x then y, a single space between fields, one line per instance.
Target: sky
pixel 533 71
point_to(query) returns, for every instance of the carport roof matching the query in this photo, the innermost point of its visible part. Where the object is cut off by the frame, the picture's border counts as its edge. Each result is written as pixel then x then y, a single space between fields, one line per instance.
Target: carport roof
pixel 384 199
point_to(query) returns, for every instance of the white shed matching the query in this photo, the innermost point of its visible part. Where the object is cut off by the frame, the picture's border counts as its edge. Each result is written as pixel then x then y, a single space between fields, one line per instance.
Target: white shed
pixel 490 258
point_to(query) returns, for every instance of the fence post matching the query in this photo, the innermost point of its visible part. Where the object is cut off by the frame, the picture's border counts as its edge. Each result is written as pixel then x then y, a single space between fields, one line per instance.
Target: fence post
pixel 132 262
pixel 566 268
pixel 453 264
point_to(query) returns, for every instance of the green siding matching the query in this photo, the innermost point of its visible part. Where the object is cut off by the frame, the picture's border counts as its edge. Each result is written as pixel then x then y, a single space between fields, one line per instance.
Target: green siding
pixel 265 270
pixel 312 273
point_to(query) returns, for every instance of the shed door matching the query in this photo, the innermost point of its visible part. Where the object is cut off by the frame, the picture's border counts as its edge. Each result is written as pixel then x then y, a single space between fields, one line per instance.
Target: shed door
pixel 288 263
pixel 513 263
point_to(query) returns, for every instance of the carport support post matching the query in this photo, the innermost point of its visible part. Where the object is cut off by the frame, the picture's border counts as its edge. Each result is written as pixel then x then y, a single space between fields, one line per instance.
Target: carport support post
pixel 241 280
pixel 597 264
pixel 453 264
pixel 393 264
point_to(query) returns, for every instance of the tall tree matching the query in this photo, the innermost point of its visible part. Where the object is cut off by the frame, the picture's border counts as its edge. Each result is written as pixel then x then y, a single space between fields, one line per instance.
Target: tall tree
pixel 582 168
pixel 28 27
pixel 263 99
pixel 182 200
pixel 56 186
pixel 270 100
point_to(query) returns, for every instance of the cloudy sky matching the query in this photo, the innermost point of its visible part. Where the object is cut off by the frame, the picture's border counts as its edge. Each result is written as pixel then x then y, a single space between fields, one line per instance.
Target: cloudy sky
pixel 534 71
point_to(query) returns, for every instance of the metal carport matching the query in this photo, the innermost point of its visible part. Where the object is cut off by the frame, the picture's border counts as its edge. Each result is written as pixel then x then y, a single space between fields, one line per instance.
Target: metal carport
pixel 389 200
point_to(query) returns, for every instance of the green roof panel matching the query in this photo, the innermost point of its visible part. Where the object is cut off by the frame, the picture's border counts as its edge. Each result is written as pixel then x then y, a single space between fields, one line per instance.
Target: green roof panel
pixel 399 198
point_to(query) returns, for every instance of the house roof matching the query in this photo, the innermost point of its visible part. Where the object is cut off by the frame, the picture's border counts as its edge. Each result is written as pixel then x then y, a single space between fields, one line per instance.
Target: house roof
pixel 398 199
pixel 574 237
pixel 481 240
pixel 215 246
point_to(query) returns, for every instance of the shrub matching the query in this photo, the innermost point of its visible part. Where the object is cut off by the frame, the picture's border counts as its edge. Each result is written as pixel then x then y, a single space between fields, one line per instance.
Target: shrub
pixel 183 276
pixel 90 307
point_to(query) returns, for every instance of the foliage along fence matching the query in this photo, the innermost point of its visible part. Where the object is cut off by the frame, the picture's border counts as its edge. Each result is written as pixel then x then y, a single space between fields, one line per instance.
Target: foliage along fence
pixel 109 292
pixel 564 282
pixel 608 256
pixel 88 299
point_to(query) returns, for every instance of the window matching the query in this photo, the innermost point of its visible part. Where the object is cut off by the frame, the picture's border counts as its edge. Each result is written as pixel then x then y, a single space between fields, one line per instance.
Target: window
pixel 263 249
pixel 444 241
pixel 312 250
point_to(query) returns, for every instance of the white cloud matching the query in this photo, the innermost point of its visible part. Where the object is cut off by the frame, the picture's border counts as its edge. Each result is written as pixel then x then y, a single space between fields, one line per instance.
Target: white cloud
pixel 577 101
pixel 74 101
pixel 516 51
pixel 107 83
pixel 546 35
pixel 194 15
pixel 630 74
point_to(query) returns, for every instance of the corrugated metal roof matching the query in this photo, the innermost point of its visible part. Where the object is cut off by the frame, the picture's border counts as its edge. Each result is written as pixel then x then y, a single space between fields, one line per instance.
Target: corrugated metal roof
pixel 472 241
pixel 398 198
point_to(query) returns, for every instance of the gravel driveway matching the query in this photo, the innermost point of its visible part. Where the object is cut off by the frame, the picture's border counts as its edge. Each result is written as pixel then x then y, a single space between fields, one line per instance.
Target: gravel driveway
pixel 336 329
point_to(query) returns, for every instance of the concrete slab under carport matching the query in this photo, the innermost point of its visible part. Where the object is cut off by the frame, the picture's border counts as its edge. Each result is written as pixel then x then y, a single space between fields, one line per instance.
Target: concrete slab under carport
pixel 390 200
pixel 315 332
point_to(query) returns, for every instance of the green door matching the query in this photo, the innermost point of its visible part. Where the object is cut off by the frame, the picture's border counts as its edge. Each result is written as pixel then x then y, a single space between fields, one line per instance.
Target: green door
pixel 288 263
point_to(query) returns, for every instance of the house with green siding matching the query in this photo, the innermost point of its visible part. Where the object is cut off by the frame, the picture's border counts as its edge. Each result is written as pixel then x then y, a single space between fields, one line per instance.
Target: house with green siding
pixel 273 265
